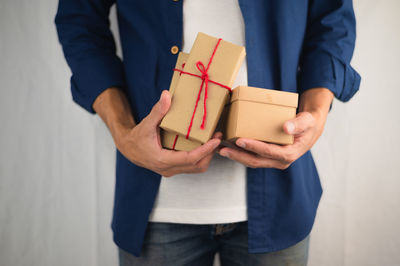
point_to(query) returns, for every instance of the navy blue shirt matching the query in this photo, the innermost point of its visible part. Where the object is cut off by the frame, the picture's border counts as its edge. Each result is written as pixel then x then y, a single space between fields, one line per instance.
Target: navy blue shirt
pixel 291 46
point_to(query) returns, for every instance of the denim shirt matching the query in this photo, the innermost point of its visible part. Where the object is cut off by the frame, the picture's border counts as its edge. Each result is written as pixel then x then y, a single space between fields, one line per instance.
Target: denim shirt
pixel 291 45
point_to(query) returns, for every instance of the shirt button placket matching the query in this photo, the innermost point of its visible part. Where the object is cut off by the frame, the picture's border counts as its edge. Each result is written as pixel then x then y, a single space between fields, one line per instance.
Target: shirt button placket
pixel 175 49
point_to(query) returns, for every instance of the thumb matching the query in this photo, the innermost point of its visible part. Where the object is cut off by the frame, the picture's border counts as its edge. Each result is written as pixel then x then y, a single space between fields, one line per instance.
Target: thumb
pixel 160 108
pixel 298 125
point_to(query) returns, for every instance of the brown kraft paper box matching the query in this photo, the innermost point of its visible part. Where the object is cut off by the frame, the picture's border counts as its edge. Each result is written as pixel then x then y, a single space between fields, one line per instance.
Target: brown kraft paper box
pixel 223 69
pixel 168 138
pixel 257 113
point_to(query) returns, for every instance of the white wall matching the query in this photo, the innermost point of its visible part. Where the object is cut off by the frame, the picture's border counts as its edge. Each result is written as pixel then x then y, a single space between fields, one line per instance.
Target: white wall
pixel 358 159
pixel 57 161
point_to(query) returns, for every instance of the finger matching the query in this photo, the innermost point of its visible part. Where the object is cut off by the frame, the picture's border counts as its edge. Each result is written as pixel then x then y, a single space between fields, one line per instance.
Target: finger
pixel 183 170
pixel 298 125
pixel 217 135
pixel 267 150
pixel 209 148
pixel 250 160
pixel 205 162
pixel 159 109
pixel 182 158
pixel 200 167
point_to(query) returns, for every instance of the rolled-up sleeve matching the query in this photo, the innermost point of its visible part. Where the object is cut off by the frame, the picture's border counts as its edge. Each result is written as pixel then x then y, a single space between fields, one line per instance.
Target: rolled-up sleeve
pixel 83 29
pixel 328 48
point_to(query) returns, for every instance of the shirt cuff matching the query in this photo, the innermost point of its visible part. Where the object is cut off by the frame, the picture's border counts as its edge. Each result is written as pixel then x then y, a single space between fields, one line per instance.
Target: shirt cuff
pixel 321 70
pixel 93 77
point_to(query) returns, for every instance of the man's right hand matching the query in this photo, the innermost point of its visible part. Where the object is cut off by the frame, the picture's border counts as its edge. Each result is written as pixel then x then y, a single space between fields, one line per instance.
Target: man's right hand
pixel 142 146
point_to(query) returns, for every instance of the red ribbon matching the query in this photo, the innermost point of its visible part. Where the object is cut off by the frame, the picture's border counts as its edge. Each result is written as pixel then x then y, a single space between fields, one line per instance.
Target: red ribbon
pixel 175 140
pixel 205 80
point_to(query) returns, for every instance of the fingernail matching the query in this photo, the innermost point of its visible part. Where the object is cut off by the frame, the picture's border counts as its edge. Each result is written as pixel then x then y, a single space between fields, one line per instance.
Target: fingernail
pixel 241 143
pixel 290 127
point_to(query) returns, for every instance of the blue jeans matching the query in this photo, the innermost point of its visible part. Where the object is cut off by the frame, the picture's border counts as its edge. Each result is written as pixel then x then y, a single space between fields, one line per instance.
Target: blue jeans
pixel 173 244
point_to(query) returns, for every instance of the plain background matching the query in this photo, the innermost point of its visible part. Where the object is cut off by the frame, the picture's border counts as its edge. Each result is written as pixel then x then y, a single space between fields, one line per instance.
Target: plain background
pixel 57 161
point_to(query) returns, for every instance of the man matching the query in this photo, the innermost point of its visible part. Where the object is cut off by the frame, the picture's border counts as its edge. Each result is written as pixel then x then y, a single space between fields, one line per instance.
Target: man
pixel 254 207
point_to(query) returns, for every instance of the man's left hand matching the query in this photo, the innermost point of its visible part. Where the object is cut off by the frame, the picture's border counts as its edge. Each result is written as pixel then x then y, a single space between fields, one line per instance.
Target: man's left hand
pixel 306 129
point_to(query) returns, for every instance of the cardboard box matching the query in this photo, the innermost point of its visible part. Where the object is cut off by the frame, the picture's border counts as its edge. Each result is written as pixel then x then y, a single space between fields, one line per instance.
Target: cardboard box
pixel 184 117
pixel 181 143
pixel 257 113
pixel 172 140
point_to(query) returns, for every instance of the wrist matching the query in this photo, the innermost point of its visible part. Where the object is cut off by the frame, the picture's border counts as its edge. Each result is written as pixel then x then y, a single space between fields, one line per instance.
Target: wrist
pixel 114 109
pixel 317 102
pixel 119 131
pixel 317 113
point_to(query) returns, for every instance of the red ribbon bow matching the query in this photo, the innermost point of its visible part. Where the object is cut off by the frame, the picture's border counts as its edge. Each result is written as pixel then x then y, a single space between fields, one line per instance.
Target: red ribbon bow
pixel 205 79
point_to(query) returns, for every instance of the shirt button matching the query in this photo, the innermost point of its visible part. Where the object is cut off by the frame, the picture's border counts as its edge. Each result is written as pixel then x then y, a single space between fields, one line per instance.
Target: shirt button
pixel 174 49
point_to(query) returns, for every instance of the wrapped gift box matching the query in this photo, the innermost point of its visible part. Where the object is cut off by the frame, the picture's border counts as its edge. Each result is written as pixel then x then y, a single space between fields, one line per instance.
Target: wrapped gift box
pixel 176 142
pixel 257 113
pixel 172 140
pixel 213 61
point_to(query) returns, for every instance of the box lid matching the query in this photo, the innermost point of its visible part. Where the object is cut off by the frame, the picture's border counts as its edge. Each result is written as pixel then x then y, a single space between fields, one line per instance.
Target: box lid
pixel 261 95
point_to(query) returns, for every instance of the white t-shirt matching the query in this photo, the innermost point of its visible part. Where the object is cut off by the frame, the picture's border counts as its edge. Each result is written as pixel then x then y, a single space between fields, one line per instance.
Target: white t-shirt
pixel 219 195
